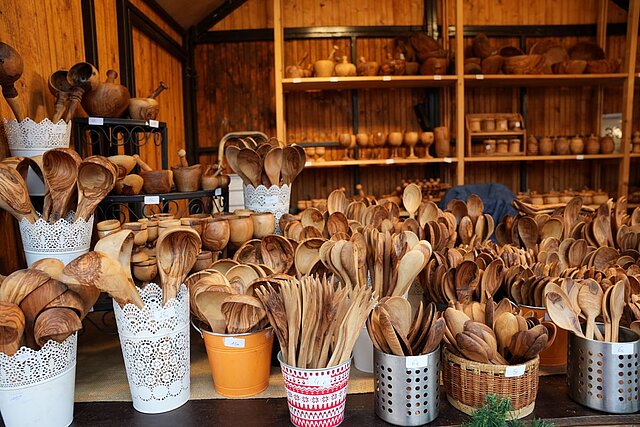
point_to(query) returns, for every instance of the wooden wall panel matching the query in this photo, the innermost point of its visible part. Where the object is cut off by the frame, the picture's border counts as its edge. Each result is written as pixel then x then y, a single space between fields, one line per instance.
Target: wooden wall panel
pixel 234 91
pixel 107 36
pixel 153 64
pixel 251 15
pixel 151 14
pixel 48 36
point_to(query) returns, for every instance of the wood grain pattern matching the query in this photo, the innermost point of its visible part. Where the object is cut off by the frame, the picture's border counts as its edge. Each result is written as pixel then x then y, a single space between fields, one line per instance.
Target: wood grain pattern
pixel 151 14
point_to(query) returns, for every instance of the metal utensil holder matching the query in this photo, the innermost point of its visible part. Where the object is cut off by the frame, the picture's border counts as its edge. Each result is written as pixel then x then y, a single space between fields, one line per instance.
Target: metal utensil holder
pixel 407 391
pixel 604 375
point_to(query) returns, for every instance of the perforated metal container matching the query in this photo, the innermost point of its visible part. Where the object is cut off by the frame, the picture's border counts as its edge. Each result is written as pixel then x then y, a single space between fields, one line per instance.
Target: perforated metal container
pixel 604 375
pixel 407 391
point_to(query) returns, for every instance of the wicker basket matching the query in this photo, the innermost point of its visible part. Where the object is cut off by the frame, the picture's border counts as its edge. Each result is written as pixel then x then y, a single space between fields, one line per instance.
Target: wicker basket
pixel 467 384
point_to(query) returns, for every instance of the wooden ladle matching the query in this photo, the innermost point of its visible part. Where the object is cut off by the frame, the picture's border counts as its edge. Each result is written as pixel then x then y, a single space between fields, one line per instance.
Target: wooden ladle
pixel 177 251
pixel 96 178
pixel 14 195
pixel 60 169
pixel 590 302
pixel 273 165
pixel 411 199
pixel 61 89
pixel 11 68
pixel 12 323
pixel 83 77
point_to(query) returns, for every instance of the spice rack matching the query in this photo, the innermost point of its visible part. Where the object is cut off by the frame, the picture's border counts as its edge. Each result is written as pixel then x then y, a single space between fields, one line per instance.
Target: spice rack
pixel 492 128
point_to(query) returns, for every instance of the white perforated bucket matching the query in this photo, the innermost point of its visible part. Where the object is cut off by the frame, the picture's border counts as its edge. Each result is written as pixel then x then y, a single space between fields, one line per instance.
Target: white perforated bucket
pixel 273 199
pixel 37 387
pixel 65 240
pixel 155 348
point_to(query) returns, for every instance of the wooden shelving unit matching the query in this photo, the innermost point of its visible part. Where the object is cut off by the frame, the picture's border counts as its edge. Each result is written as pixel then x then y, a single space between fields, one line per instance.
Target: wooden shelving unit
pixel 454 89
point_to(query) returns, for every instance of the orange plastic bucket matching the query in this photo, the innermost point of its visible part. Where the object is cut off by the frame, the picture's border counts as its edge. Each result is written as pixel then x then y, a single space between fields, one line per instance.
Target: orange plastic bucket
pixel 240 363
pixel 556 354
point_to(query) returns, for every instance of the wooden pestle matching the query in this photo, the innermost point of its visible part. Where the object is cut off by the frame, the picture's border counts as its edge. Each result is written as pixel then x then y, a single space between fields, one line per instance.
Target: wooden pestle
pixel 162 86
pixel 183 158
pixel 141 164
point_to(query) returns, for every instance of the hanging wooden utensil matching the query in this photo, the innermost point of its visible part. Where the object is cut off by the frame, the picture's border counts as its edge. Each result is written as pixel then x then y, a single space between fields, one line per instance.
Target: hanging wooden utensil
pixel 60 168
pixel 11 68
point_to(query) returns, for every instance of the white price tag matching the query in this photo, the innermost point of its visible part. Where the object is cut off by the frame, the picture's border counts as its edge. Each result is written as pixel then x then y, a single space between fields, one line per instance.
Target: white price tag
pixel 437 77
pixel 164 314
pixel 479 76
pixel 153 123
pixel 97 121
pixel 308 163
pixel 514 371
pixel 580 157
pixel 333 79
pixel 416 362
pixel 271 200
pixel 151 200
pixel 319 381
pixel 218 192
pixel 233 342
pixel 622 348
pixel 297 80
pixel 386 78
pixel 448 160
pixel 389 161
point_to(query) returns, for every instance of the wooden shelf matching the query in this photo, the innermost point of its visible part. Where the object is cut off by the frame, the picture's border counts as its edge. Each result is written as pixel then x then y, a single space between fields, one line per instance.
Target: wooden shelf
pixel 543 158
pixel 376 162
pixel 634 155
pixel 496 133
pixel 542 80
pixel 342 83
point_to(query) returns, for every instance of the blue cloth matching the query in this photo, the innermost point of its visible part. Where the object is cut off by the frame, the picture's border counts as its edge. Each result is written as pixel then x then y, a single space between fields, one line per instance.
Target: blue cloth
pixel 496 198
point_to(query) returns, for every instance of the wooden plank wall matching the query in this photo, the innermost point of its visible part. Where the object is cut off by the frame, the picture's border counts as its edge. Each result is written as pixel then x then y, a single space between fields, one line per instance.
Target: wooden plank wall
pixel 48 36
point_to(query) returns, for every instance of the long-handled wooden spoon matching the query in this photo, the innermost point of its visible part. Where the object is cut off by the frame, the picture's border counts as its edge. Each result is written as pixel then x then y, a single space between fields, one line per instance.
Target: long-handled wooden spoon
pixel 616 309
pixel 273 165
pixel 60 169
pixel 61 89
pixel 560 311
pixel 14 195
pixel 11 68
pixel 590 302
pixel 96 178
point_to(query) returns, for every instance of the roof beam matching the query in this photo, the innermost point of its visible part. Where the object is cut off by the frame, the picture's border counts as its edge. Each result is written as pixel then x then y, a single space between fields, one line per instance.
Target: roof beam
pixel 221 12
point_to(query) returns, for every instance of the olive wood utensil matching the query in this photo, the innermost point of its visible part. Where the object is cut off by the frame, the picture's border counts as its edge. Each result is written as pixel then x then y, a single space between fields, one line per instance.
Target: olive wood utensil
pixel 60 167
pixel 83 77
pixel 11 68
pixel 242 313
pixel 35 302
pixel 210 305
pixel 616 309
pixel 386 326
pixel 56 324
pixel 14 195
pixel 273 165
pixel 231 154
pixel 292 164
pixel 16 286
pixel 562 314
pixel 60 88
pixel 177 250
pixel 96 178
pixel 410 265
pixel 590 302
pixel 411 199
pixel 251 166
pixel 606 314
pixel 12 324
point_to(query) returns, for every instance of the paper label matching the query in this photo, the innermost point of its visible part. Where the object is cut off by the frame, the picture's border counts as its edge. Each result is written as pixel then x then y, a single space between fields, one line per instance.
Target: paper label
pixel 447 160
pixel 416 362
pixel 218 192
pixel 97 121
pixel 580 157
pixel 153 123
pixel 151 200
pixel 514 371
pixel 437 77
pixel 389 161
pixel 319 381
pixel 297 80
pixel 333 79
pixel 622 348
pixel 164 314
pixel 386 78
pixel 479 76
pixel 233 342
pixel 308 163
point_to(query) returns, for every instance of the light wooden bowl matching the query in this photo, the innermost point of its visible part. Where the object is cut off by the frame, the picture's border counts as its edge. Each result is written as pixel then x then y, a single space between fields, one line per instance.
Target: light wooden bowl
pixel 264 223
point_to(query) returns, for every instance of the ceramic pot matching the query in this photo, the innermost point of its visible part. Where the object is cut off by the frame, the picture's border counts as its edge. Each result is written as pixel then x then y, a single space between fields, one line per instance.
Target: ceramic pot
pixel 607 144
pixel 545 146
pixel 561 146
pixel 532 146
pixel 592 145
pixel 576 146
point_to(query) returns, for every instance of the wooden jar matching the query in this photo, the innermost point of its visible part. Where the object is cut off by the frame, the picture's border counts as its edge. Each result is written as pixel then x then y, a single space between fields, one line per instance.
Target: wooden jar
pixel 502 146
pixel 514 146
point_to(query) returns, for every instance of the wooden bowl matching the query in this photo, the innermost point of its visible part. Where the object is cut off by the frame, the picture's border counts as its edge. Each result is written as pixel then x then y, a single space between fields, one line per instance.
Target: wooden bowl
pixel 124 163
pixel 602 66
pixel 264 223
pixel 140 232
pixel 156 182
pixel 570 66
pixel 204 261
pixel 492 64
pixel 524 64
pixel 152 229
pixel 195 223
pixel 145 271
pixel 215 234
pixel 240 230
pixel 587 51
pixel 187 179
pixel 434 65
pixel 163 215
pixel 166 224
pixel 243 212
pixel 130 185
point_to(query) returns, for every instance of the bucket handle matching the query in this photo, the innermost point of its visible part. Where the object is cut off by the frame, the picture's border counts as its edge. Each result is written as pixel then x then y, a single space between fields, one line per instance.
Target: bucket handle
pixel 197 329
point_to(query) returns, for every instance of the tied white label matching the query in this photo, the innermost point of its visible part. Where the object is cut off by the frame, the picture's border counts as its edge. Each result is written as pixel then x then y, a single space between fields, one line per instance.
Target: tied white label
pixel 164 314
pixel 297 80
pixel 308 163
pixel 96 121
pixel 622 348
pixel 437 77
pixel 151 200
pixel 479 77
pixel 514 371
pixel 271 200
pixel 233 342
pixel 389 161
pixel 333 79
pixel 416 362
pixel 580 157
pixel 447 160
pixel 153 123
pixel 319 381
pixel 218 192
pixel 386 78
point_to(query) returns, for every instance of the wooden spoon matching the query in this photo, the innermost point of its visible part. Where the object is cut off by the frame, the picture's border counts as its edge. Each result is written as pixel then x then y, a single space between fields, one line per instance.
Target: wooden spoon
pixel 475 207
pixel 210 305
pixel 60 169
pixel 11 68
pixel 606 314
pixel 12 323
pixel 409 267
pixel 231 154
pixel 14 195
pixel 273 165
pixel 505 327
pixel 590 302
pixel 242 313
pixel 177 250
pixel 388 332
pixel 411 199
pixel 96 178
pixel 56 324
pixel 561 312
pixel 616 309
pixel 337 202
pixel 251 166
pixel 290 164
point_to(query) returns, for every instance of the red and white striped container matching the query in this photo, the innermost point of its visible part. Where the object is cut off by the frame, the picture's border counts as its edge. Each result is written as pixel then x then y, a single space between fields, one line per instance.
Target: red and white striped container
pixel 316 397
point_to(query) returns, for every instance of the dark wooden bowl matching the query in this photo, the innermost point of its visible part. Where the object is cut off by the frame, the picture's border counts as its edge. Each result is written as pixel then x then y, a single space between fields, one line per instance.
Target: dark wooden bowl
pixel 156 182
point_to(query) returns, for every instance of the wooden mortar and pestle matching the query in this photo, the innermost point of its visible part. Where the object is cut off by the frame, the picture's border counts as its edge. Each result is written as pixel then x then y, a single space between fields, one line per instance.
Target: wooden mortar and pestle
pixel 187 178
pixel 11 68
pixel 83 77
pixel 155 182
pixel 325 67
pixel 146 108
pixel 213 178
pixel 61 89
pixel 108 99
pixel 297 70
